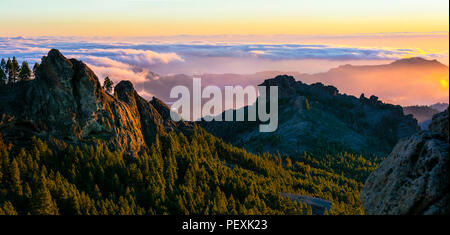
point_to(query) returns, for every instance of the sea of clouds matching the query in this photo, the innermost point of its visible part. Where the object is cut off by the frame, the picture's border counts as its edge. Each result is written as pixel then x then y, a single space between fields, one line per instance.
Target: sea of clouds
pixel 147 60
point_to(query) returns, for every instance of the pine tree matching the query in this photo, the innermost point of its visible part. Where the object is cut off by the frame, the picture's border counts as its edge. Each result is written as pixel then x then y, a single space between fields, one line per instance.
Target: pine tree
pixel 14 70
pixel 25 72
pixel 3 65
pixel 288 163
pixel 35 68
pixel 108 85
pixel 7 209
pixel 42 202
pixel 307 106
pixel 309 210
pixel 9 69
pixel 2 77
pixel 16 183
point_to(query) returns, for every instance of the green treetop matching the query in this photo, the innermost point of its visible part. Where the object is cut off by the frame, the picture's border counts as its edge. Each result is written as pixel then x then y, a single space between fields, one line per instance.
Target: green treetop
pixel 35 67
pixel 108 85
pixel 25 72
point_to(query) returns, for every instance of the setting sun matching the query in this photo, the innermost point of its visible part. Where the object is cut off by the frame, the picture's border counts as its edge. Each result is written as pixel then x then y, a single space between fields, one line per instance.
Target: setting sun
pixel 444 84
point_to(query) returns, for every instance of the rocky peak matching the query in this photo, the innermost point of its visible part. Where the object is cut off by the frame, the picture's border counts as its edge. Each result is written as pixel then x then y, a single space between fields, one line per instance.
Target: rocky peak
pixel 56 60
pixel 124 87
pixel 125 92
pixel 414 179
pixel 283 82
pixel 66 103
pixel 286 85
pixel 280 80
pixel 417 61
pixel 56 69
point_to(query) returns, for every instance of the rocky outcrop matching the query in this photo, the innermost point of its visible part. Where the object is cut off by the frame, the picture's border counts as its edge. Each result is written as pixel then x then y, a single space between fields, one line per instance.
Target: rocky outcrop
pixel 313 116
pixel 439 124
pixel 66 103
pixel 414 179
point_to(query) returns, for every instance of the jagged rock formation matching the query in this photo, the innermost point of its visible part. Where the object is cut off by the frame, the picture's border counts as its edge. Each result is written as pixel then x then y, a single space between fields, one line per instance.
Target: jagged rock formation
pixel 65 103
pixel 414 179
pixel 316 116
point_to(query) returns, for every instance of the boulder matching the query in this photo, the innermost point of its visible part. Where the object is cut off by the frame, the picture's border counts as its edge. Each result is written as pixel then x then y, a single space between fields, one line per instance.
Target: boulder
pixel 414 179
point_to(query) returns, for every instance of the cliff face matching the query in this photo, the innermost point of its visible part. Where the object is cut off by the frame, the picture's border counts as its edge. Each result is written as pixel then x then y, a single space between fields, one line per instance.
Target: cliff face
pixel 66 103
pixel 414 179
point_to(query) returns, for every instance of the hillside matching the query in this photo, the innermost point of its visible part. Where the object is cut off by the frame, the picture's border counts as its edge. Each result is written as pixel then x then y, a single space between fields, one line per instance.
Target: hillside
pixel 317 118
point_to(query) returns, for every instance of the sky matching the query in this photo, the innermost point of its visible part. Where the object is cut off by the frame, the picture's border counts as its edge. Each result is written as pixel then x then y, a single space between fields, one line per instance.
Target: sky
pixel 142 40
pixel 210 17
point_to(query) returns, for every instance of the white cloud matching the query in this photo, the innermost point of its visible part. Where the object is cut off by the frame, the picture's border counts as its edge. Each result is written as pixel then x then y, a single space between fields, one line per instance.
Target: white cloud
pixel 145 94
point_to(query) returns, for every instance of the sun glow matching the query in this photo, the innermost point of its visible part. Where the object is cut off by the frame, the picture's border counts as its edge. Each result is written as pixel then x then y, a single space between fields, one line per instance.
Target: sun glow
pixel 444 83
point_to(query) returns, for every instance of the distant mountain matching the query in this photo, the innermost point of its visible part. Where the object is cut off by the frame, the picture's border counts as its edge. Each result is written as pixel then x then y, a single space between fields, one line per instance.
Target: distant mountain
pixel 420 112
pixel 404 82
pixel 318 118
pixel 424 113
pixel 440 106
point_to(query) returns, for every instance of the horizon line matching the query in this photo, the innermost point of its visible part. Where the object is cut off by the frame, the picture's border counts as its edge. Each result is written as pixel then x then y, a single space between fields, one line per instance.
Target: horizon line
pixel 397 33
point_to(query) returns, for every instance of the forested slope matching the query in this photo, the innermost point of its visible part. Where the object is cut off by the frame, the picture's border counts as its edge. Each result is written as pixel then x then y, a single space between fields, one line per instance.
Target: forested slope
pixel 179 175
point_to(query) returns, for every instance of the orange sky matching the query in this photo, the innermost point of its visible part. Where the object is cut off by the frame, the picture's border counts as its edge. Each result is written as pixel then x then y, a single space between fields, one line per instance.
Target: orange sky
pixel 209 17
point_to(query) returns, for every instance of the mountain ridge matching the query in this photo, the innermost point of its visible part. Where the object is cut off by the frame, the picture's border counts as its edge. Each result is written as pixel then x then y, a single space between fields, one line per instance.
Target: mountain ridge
pixel 330 118
pixel 413 61
pixel 408 74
